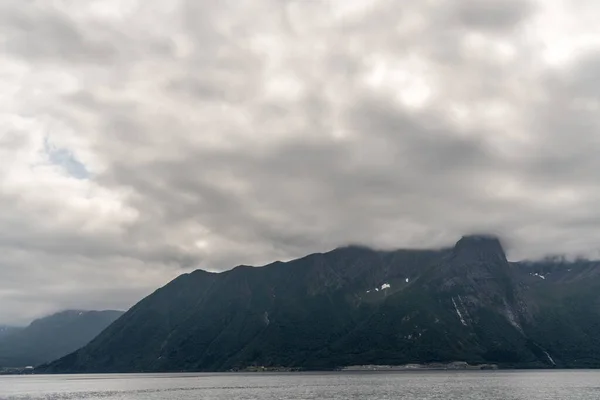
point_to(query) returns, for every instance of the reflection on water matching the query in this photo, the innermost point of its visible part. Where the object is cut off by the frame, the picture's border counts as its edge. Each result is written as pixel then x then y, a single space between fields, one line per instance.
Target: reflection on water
pixel 501 385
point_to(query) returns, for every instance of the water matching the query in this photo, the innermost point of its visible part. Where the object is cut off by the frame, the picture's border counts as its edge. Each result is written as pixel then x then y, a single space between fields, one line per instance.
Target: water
pixel 492 385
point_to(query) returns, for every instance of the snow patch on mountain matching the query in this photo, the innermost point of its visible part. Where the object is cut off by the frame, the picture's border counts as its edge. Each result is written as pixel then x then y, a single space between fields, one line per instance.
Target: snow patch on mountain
pixel 460 316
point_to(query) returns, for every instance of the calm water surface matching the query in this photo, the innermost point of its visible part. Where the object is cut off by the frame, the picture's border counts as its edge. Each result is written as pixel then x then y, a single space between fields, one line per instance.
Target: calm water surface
pixel 509 385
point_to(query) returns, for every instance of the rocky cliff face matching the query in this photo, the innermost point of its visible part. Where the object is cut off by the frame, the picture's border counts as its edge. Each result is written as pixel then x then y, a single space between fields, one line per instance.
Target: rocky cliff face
pixel 356 306
pixel 478 277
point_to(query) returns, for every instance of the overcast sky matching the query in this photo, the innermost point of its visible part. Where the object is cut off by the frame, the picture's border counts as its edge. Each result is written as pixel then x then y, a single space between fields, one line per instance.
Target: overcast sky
pixel 140 139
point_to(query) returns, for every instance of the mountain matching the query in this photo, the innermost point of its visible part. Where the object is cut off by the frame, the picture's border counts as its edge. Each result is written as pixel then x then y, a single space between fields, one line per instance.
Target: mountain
pixel 564 299
pixel 357 306
pixel 6 330
pixel 51 337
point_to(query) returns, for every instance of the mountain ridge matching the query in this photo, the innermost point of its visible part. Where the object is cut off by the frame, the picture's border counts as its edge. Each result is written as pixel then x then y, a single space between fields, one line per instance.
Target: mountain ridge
pixel 357 306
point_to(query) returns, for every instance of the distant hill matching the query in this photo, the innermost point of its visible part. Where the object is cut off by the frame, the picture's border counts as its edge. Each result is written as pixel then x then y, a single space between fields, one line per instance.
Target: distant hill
pixel 51 337
pixel 357 306
pixel 6 330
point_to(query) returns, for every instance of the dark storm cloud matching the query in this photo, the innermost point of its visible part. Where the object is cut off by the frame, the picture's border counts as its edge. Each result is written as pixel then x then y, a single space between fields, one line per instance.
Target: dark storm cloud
pixel 219 133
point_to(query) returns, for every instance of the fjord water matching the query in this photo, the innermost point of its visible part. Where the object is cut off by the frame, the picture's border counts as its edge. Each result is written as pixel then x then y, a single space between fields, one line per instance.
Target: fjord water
pixel 492 385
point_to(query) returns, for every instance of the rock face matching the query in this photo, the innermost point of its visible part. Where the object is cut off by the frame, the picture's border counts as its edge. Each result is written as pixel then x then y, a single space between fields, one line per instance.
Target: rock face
pixel 51 337
pixel 357 306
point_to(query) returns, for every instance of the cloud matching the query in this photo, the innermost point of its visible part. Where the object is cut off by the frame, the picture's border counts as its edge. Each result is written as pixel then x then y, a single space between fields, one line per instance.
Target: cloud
pixel 144 139
pixel 492 15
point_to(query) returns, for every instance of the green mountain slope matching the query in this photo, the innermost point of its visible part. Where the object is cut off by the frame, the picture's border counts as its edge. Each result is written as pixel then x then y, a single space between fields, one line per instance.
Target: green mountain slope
pixel 355 306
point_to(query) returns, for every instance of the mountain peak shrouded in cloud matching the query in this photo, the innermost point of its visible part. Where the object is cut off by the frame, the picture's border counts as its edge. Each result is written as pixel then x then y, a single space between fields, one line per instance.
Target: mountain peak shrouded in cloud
pixel 484 247
pixel 142 139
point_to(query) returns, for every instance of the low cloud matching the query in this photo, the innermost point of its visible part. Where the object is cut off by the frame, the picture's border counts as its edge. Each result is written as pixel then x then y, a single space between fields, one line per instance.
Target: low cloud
pixel 145 139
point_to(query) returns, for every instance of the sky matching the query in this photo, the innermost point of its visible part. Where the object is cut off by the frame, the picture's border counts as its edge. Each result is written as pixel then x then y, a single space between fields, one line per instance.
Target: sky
pixel 140 139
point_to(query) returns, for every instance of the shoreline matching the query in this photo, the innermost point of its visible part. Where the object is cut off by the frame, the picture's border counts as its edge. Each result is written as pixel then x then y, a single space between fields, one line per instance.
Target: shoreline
pixel 301 372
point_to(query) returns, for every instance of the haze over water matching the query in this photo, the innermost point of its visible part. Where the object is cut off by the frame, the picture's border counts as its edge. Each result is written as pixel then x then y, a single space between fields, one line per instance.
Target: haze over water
pixel 497 385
